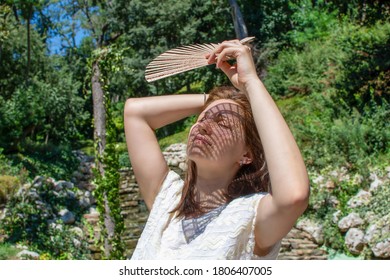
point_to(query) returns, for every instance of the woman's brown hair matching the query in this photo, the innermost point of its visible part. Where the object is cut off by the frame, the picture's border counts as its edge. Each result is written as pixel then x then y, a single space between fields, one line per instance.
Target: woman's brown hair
pixel 250 178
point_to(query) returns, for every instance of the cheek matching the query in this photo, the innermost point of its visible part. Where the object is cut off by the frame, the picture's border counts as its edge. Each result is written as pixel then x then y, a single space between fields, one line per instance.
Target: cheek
pixel 192 129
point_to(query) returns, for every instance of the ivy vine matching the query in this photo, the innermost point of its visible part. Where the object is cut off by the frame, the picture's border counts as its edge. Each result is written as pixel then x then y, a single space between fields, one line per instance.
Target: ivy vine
pixel 107 185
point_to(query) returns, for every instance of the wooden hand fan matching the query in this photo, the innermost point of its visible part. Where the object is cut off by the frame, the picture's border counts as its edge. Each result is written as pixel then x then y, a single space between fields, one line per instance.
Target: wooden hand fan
pixel 181 59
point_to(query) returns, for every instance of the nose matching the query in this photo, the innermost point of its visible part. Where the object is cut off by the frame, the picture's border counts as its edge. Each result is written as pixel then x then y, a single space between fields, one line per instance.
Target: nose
pixel 204 128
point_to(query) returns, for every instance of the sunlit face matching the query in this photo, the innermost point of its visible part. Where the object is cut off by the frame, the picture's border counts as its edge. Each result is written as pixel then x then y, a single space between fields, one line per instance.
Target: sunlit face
pixel 218 134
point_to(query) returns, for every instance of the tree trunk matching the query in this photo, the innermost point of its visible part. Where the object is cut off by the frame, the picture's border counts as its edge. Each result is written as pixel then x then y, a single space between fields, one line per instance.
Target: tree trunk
pixel 99 116
pixel 28 42
pixel 239 24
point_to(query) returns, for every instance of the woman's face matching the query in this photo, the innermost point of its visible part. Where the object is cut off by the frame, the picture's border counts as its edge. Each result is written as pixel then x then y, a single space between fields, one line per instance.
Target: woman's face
pixel 218 135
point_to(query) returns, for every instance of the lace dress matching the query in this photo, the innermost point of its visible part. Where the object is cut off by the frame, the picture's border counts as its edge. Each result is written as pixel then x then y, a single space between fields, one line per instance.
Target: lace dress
pixel 224 233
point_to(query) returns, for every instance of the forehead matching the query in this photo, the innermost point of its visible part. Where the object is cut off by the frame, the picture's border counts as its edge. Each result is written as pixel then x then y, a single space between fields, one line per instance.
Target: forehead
pixel 224 106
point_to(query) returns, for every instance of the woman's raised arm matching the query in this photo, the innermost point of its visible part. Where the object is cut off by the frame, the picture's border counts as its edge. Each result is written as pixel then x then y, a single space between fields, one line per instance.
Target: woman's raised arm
pixel 141 117
pixel 278 212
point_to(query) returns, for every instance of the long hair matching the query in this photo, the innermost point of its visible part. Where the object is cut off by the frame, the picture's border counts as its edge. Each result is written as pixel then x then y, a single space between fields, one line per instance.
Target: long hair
pixel 250 178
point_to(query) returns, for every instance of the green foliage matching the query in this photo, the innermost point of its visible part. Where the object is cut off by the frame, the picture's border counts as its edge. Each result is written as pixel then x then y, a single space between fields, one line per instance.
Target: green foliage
pixel 304 72
pixel 8 186
pixel 332 190
pixel 47 160
pixel 267 20
pixel 157 26
pixel 332 134
pixel 180 137
pixel 311 22
pixel 7 251
pixel 27 221
pixel 364 74
pixel 379 204
pixel 365 12
pixel 7 167
pixel 107 183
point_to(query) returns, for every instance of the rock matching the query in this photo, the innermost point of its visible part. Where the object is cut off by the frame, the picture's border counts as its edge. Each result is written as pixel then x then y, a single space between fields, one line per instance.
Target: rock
pixel 352 220
pixel 370 217
pixel 22 190
pixel 77 175
pixel 78 231
pixel 314 229
pixel 60 185
pixel 183 166
pixel 382 249
pixel 361 198
pixel 336 216
pixel 330 185
pixel 376 182
pixel 344 176
pixel 318 179
pixel 333 201
pixel 67 216
pixel 70 194
pixel 38 181
pixel 173 162
pixel 32 193
pixel 28 254
pixel 76 243
pixel 50 181
pixel 56 226
pixel 20 246
pixel 354 240
pixel 3 213
pixel 358 179
pixel 377 231
pixel 84 202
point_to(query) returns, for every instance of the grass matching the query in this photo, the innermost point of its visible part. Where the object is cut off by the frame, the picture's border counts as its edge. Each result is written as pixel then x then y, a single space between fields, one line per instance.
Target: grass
pixel 8 252
pixel 180 137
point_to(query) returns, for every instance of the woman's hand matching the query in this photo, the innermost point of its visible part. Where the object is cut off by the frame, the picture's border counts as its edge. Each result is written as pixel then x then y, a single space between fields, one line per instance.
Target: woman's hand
pixel 243 71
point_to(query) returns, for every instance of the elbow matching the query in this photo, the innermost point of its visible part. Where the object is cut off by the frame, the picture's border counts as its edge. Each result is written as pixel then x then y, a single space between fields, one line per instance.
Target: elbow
pixel 300 200
pixel 296 201
pixel 133 107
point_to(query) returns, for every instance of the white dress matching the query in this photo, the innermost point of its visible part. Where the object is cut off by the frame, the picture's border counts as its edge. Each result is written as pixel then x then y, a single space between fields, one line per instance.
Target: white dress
pixel 230 236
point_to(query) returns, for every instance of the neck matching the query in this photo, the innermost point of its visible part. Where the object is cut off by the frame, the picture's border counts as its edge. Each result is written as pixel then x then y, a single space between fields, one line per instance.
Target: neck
pixel 211 185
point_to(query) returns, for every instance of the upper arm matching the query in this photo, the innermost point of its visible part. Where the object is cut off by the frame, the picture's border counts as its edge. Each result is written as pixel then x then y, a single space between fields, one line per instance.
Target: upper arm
pixel 273 222
pixel 147 160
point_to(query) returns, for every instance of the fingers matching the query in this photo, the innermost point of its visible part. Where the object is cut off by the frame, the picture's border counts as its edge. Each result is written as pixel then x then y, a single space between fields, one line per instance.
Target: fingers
pixel 227 50
pixel 228 69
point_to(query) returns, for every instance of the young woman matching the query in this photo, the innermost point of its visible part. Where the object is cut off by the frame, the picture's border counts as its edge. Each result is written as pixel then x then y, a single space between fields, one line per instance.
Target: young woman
pixel 246 183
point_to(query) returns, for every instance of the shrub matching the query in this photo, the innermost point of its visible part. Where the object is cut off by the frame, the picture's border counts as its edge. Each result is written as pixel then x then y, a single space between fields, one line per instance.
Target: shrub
pixel 332 134
pixel 47 160
pixel 309 71
pixel 364 74
pixel 33 218
pixel 7 251
pixel 8 185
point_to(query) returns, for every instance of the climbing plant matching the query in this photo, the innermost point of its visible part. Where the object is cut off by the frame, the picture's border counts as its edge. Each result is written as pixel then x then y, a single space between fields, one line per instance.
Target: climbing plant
pixel 107 183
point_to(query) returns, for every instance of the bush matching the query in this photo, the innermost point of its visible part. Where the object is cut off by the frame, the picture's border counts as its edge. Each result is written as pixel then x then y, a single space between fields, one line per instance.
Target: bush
pixel 364 74
pixel 33 218
pixel 47 160
pixel 330 134
pixel 7 251
pixel 309 71
pixel 8 186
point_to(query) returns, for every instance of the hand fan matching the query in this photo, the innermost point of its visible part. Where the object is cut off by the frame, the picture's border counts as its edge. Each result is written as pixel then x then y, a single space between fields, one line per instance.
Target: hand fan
pixel 181 59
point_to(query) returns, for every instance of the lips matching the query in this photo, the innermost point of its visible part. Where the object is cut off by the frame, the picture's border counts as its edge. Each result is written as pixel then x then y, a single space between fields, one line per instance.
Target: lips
pixel 202 138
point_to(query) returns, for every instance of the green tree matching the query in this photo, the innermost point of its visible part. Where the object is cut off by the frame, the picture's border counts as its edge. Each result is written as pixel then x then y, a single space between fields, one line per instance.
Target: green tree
pixel 47 108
